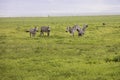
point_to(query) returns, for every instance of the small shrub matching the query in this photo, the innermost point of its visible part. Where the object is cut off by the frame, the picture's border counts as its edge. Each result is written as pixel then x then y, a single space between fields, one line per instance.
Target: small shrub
pixel 116 58
pixel 107 60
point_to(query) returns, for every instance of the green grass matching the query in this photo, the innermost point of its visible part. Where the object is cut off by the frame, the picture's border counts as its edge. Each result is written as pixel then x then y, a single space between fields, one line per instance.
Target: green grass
pixel 94 56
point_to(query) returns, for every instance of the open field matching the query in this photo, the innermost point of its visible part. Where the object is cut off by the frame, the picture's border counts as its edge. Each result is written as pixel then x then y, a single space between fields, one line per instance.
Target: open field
pixel 94 56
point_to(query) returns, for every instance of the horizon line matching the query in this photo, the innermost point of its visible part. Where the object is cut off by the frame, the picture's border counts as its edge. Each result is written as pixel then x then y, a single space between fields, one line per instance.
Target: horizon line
pixel 63 15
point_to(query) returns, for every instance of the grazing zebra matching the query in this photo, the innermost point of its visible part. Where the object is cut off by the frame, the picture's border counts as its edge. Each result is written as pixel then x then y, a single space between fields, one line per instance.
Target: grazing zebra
pixel 45 29
pixel 82 30
pixel 71 30
pixel 33 32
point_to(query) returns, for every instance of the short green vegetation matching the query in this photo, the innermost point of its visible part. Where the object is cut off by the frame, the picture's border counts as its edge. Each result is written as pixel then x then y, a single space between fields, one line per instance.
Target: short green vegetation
pixel 93 56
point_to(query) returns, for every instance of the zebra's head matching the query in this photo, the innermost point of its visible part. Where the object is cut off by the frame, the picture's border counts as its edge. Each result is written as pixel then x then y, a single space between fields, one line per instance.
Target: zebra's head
pixel 35 28
pixel 84 27
pixel 48 28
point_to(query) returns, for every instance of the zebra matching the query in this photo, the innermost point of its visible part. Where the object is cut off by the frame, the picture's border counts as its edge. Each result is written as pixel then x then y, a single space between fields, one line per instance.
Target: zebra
pixel 45 29
pixel 77 28
pixel 33 32
pixel 71 30
pixel 81 31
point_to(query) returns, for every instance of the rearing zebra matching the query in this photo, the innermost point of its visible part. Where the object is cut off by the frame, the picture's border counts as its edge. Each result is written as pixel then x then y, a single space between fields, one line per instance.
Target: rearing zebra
pixel 82 30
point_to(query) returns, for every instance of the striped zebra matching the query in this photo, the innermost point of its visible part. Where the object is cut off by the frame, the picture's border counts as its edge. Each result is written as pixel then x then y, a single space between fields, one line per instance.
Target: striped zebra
pixel 71 30
pixel 45 29
pixel 81 31
pixel 77 28
pixel 33 32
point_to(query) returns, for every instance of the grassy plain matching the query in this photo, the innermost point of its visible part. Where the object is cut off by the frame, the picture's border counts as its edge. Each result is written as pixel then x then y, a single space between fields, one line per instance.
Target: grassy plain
pixel 94 56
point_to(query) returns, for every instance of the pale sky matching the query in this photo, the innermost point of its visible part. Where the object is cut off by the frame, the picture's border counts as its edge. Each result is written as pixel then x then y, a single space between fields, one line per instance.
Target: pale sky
pixel 19 8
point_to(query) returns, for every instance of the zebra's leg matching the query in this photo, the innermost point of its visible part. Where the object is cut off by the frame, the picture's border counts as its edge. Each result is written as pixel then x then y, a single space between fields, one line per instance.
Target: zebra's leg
pixel 33 34
pixel 79 34
pixel 30 34
pixel 41 33
pixel 73 34
pixel 48 33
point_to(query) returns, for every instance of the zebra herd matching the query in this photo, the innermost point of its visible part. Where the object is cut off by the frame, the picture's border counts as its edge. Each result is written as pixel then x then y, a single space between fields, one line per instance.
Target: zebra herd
pixel 42 30
pixel 46 29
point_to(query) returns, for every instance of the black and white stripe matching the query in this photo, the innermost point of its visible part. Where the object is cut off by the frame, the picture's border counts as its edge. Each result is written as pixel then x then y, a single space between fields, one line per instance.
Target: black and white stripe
pixel 45 29
pixel 33 32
